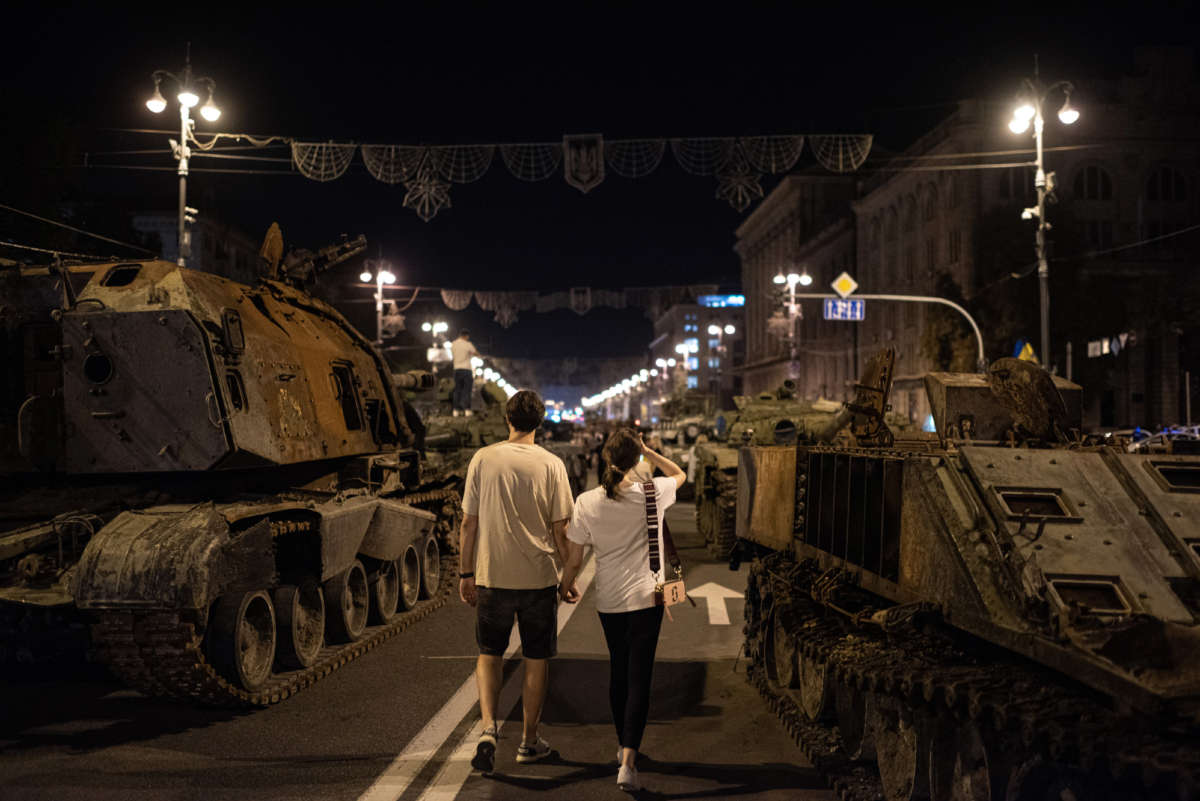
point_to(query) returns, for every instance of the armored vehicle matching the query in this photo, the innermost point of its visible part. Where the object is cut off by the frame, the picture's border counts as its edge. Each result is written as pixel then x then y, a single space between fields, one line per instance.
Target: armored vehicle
pixel 221 478
pixel 772 418
pixel 994 611
pixel 450 442
pixel 679 439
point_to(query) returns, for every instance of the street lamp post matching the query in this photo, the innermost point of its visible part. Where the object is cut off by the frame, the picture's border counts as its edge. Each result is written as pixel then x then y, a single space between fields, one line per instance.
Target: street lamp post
pixel 382 276
pixel 1030 109
pixel 187 98
pixel 792 279
pixel 718 331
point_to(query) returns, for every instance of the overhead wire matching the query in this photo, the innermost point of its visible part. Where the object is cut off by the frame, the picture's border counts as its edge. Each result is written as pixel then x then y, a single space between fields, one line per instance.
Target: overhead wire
pixel 54 252
pixel 110 240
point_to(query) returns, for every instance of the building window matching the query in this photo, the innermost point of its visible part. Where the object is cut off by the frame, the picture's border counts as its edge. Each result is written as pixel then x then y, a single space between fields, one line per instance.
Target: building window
pixel 931 197
pixel 1093 183
pixel 713 344
pixel 910 264
pixel 955 242
pixel 693 363
pixel 693 344
pixel 714 363
pixel 892 224
pixel 910 214
pixel 1098 233
pixel 930 255
pixel 1016 183
pixel 690 327
pixel 1166 185
pixel 693 382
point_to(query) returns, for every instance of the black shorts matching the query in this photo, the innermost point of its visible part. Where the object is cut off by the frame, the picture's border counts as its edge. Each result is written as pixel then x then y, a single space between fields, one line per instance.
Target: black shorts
pixel 536 612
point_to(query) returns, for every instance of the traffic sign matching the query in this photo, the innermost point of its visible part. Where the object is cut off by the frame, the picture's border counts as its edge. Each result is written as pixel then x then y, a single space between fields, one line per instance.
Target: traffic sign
pixel 851 309
pixel 844 284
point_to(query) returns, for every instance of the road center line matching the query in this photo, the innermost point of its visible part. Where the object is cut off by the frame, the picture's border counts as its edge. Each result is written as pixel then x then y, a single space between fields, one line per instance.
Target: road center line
pixel 392 783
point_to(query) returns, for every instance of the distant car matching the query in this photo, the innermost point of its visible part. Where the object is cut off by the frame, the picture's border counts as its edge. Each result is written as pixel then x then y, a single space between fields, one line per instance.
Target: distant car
pixel 1165 440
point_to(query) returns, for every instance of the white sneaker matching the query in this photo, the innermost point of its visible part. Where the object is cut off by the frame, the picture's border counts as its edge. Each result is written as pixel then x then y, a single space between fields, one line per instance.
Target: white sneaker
pixel 456 412
pixel 467 412
pixel 627 779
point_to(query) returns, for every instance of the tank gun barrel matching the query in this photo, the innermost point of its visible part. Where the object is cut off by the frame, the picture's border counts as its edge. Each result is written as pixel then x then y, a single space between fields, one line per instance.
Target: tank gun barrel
pixel 414 379
pixel 305 265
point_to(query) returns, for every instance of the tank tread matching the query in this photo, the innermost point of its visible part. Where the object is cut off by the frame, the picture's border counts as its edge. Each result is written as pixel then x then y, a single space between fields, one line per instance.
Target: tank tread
pixel 1022 703
pixel 161 653
pixel 724 533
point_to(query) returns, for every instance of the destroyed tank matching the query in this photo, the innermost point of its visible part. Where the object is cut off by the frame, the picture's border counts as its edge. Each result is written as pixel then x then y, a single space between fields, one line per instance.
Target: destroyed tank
pixel 997 610
pixel 220 478
pixel 771 418
pixel 450 442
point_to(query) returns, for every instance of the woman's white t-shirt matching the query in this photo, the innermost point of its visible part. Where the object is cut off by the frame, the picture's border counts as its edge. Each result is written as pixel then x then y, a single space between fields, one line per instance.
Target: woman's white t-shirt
pixel 616 530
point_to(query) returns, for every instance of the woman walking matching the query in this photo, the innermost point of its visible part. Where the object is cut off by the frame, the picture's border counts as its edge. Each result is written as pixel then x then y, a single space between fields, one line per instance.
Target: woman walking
pixel 612 518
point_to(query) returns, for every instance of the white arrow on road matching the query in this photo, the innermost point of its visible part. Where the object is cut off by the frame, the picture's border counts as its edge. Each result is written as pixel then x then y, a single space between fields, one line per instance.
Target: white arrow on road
pixel 715 594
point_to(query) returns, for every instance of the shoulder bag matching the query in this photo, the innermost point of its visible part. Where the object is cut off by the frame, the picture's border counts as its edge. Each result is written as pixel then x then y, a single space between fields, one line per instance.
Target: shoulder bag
pixel 672 591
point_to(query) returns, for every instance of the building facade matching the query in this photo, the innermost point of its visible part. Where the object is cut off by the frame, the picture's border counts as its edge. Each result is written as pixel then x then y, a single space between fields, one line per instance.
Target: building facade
pixel 944 218
pixel 690 358
pixel 215 247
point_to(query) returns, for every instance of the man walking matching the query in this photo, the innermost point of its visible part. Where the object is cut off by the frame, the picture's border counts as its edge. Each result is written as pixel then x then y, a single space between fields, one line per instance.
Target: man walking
pixel 516 505
pixel 462 350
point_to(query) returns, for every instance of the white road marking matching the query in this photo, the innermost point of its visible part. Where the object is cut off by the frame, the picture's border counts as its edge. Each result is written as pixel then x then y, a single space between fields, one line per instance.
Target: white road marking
pixel 392 783
pixel 715 594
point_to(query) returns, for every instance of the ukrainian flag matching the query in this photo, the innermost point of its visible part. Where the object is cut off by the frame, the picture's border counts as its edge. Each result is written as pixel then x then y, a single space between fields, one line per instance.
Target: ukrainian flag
pixel 1024 352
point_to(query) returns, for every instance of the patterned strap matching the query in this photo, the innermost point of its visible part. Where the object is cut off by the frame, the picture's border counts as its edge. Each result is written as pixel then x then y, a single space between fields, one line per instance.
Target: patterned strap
pixel 652 525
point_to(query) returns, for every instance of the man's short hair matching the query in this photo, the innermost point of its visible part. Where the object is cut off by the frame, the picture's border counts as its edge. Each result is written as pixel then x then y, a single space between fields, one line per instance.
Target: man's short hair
pixel 525 410
pixel 464 332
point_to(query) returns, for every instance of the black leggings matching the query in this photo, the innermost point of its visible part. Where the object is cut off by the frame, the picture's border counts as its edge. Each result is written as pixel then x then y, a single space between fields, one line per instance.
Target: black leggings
pixel 632 638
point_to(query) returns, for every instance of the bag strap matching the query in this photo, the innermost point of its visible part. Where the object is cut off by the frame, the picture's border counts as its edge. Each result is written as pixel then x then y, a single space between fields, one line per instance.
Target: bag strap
pixel 652 525
pixel 672 554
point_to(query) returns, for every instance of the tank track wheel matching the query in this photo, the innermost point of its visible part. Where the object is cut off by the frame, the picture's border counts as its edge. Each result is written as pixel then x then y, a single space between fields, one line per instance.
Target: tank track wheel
pixel 431 568
pixel 965 764
pixel 724 516
pixel 242 638
pixel 409 570
pixel 854 712
pixel 385 593
pixel 346 604
pixel 300 625
pixel 816 693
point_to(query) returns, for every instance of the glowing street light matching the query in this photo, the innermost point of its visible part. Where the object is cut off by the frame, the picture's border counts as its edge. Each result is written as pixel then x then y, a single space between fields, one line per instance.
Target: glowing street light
pixel 188 99
pixel 381 276
pixel 1030 110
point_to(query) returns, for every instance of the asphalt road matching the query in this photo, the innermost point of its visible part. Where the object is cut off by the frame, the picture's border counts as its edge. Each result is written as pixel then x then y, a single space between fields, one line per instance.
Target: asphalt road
pixel 399 723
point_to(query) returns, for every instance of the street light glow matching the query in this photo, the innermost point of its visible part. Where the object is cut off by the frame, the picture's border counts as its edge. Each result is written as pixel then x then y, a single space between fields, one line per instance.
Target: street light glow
pixel 714 329
pixel 210 112
pixel 387 277
pixel 729 329
pixel 366 279
pixel 1068 114
pixel 426 327
pixel 1018 125
pixel 1023 112
pixel 188 98
pixel 158 102
pixel 779 279
pixel 805 279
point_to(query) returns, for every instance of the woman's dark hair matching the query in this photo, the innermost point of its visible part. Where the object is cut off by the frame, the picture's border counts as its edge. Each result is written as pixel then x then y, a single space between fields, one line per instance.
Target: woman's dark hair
pixel 464 332
pixel 525 410
pixel 621 453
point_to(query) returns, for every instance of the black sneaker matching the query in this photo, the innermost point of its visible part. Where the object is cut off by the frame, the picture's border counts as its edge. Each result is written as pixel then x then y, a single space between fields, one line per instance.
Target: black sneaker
pixel 484 760
pixel 532 752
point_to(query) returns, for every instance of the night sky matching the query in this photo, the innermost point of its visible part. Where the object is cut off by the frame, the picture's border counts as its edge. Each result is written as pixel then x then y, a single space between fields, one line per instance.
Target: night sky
pixel 516 74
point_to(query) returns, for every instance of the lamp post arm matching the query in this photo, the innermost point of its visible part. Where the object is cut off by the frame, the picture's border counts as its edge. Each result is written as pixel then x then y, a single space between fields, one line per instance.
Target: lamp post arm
pixel 981 361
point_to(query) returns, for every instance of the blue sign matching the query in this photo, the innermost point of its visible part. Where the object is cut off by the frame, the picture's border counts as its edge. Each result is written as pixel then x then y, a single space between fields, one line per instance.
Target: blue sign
pixel 847 309
pixel 721 301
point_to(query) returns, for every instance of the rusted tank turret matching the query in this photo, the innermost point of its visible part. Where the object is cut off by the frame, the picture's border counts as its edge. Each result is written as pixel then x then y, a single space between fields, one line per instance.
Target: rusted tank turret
pixel 221 477
pixel 772 418
pixel 993 611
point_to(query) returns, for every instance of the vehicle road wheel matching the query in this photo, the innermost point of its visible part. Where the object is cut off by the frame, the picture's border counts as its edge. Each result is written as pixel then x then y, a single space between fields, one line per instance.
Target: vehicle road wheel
pixel 431 567
pixel 816 690
pixel 783 651
pixel 346 604
pixel 962 766
pixel 901 752
pixel 300 625
pixel 409 565
pixel 854 714
pixel 243 638
pixel 385 593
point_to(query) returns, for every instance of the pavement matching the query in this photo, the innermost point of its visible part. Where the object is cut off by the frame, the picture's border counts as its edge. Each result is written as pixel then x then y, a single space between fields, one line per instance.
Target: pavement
pixel 400 722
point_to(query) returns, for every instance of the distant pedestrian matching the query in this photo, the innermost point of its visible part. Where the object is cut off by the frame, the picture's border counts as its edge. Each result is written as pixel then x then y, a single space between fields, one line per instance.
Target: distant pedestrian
pixel 462 350
pixel 612 518
pixel 516 505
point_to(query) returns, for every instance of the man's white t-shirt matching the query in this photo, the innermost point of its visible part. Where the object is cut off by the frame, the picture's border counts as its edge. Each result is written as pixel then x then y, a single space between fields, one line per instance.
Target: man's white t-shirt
pixel 462 350
pixel 616 530
pixel 519 492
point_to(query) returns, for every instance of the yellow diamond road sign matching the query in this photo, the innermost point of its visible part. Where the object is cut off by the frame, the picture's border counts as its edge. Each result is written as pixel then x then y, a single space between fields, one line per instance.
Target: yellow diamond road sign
pixel 844 284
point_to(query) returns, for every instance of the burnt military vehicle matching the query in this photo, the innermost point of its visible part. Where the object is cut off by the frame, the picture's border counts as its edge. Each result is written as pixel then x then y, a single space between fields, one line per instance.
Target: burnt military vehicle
pixel 994 611
pixel 220 477
pixel 771 418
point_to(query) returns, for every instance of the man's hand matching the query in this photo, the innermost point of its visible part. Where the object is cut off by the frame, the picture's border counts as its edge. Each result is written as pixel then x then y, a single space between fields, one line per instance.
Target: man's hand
pixel 569 594
pixel 467 591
